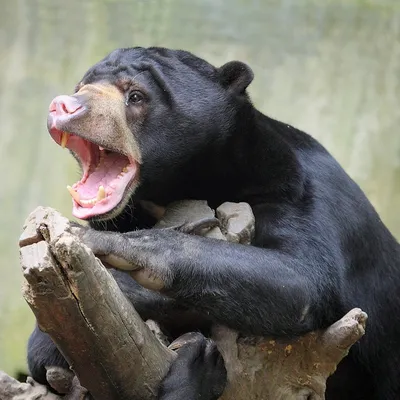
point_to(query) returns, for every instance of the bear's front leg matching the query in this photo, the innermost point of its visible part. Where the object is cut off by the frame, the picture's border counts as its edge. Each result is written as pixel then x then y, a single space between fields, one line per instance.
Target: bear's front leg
pixel 115 250
pixel 253 290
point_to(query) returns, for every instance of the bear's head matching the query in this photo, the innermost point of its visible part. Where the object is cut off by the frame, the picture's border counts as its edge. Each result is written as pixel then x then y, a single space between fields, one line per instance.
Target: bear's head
pixel 149 124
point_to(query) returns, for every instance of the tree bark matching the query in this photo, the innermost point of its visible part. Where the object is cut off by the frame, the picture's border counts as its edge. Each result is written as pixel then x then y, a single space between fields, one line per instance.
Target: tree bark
pixel 113 352
pixel 11 389
pixel 265 369
pixel 78 303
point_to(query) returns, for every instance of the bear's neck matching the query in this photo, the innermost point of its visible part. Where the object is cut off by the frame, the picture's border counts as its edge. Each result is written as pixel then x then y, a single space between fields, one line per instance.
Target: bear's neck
pixel 257 163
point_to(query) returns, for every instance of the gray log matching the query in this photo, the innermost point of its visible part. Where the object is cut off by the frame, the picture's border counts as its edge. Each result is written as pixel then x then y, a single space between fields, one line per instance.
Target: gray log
pixel 113 352
pixel 78 303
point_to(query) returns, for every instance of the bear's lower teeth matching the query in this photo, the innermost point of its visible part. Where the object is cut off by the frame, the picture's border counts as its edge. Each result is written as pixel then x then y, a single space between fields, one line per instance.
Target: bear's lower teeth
pixel 101 194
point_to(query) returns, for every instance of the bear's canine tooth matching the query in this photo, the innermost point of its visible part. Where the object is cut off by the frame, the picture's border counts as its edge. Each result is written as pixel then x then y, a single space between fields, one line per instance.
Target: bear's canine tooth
pixel 74 194
pixel 64 139
pixel 101 159
pixel 101 194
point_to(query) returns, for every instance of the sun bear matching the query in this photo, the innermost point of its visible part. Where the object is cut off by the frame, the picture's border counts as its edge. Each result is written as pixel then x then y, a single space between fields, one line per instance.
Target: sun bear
pixel 157 125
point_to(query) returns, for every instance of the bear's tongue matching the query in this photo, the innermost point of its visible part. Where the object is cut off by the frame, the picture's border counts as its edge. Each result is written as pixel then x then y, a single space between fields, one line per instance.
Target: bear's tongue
pixel 106 177
pixel 110 168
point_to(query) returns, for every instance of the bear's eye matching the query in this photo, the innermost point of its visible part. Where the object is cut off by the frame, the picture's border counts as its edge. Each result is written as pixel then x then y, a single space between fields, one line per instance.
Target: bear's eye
pixel 135 98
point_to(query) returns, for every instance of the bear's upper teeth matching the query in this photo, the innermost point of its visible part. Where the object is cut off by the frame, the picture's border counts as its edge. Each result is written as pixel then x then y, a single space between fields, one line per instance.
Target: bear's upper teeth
pixel 64 139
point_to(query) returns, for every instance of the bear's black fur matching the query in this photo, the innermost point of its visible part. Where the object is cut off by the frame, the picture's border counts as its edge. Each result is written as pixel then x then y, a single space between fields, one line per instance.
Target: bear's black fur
pixel 320 249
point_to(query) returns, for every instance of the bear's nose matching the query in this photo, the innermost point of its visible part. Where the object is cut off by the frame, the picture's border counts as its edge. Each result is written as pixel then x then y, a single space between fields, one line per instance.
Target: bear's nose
pixel 64 104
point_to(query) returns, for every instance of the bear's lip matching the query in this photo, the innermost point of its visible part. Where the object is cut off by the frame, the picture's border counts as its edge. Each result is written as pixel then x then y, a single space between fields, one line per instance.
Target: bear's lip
pixel 108 177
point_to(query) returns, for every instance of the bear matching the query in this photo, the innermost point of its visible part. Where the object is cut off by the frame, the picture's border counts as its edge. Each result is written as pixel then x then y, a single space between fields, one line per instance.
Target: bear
pixel 156 125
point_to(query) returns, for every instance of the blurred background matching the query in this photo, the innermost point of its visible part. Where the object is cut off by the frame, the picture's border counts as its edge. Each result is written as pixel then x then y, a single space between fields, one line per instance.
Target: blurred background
pixel 329 67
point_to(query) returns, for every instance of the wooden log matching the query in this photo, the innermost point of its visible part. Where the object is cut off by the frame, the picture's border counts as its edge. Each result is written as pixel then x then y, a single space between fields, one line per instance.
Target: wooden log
pixel 267 369
pixel 78 303
pixel 11 389
pixel 112 351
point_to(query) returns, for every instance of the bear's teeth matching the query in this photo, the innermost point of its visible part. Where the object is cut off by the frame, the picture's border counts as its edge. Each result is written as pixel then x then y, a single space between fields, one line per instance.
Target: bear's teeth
pixel 64 139
pixel 74 194
pixel 101 194
pixel 88 202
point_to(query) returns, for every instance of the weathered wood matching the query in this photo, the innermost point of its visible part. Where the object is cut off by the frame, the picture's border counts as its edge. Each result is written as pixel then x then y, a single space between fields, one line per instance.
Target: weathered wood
pixel 78 303
pixel 265 369
pixel 113 353
pixel 11 389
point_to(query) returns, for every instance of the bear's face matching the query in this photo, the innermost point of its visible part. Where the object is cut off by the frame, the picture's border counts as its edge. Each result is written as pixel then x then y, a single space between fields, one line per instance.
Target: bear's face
pixel 141 121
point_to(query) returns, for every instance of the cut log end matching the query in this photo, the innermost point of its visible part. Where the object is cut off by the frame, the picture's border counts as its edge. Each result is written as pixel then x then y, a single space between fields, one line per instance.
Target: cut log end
pixel 78 303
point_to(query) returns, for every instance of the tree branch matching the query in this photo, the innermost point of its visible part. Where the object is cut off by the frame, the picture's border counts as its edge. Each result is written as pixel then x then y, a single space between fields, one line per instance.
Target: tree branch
pixel 78 303
pixel 287 370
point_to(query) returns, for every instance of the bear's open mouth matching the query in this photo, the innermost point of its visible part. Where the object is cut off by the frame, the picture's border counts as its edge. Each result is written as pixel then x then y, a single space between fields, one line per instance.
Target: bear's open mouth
pixel 107 179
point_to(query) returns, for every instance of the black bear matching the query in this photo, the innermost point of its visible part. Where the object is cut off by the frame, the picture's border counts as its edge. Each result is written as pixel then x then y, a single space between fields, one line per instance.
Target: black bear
pixel 158 125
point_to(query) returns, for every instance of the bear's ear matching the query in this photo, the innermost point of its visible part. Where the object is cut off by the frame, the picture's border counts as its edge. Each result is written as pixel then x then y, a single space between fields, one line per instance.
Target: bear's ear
pixel 236 76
